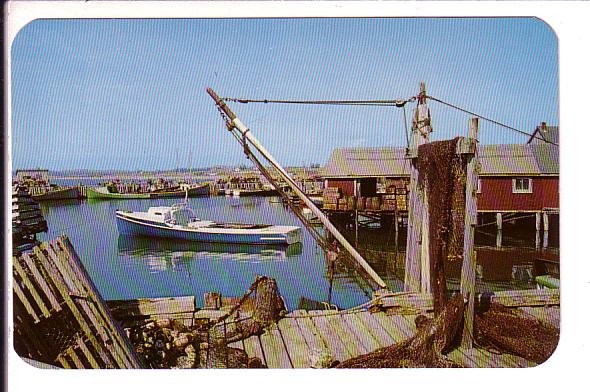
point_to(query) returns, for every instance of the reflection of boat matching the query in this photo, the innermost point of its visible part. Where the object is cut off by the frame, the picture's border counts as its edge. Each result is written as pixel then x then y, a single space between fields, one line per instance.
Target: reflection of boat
pixel 138 246
pixel 105 193
pixel 180 222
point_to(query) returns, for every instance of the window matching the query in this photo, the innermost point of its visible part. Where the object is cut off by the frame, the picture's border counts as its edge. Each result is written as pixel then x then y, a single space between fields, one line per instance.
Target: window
pixel 522 185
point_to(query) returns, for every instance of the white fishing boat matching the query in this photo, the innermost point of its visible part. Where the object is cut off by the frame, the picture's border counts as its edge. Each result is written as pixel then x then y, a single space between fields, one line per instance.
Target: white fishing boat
pixel 180 222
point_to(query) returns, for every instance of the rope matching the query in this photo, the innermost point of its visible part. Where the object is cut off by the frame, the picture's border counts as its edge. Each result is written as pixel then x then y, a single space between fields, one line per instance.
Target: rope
pixel 379 102
pixel 490 120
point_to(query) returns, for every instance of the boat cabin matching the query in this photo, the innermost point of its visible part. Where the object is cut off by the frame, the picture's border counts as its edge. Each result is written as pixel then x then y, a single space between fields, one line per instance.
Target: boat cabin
pixel 175 215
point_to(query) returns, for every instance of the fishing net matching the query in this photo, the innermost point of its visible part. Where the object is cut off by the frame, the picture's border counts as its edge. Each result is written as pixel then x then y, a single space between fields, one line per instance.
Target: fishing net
pixel 442 177
pixel 511 331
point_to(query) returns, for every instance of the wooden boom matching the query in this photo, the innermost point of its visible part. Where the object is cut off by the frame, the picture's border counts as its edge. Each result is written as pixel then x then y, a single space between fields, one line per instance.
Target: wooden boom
pixel 246 134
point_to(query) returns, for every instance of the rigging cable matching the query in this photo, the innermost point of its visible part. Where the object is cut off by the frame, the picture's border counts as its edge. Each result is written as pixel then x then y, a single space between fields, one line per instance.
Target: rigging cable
pixel 378 102
pixel 490 120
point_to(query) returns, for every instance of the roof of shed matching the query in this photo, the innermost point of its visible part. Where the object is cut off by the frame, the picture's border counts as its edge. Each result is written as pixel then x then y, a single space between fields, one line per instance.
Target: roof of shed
pixel 502 159
pixel 367 162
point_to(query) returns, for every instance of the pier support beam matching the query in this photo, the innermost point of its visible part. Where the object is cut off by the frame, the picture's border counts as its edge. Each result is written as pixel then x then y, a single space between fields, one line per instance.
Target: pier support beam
pixel 421 128
pixel 498 229
pixel 469 262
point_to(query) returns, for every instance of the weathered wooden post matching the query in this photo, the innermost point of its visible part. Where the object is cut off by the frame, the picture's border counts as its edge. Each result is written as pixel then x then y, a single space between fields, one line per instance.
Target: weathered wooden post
pixel 468 268
pixel 417 277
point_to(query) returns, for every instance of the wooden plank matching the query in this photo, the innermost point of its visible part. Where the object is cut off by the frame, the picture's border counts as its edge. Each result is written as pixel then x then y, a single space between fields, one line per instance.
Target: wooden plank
pixel 274 350
pixel 74 357
pixel 89 357
pixel 459 357
pixel 352 345
pixel 510 298
pixel 410 300
pixel 61 359
pixel 112 336
pixel 309 331
pixel 333 340
pixel 468 267
pixel 359 332
pixel 404 324
pixel 297 348
pixel 485 359
pixel 157 306
pixel 122 345
pixel 389 326
pixel 253 348
pixel 40 280
pixel 30 287
pixel 59 282
pixel 375 329
pixel 87 305
pixel 23 299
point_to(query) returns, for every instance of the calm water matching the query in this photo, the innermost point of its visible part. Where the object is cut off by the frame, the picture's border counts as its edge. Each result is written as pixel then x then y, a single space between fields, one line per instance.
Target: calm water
pixel 129 267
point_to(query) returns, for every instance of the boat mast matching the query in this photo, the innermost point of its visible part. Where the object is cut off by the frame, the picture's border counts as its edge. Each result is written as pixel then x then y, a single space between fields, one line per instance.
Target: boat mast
pixel 234 122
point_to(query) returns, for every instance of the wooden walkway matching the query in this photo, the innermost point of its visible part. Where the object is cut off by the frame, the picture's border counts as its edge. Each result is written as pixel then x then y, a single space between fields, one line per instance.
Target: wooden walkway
pixel 297 340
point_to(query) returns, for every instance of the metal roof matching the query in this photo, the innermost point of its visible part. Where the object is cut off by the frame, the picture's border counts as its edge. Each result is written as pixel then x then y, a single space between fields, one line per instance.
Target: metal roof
pixel 503 159
pixel 367 162
pixel 547 133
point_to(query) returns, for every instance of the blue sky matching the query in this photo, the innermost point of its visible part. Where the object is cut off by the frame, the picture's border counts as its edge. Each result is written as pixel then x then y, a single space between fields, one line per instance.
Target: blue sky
pixel 130 93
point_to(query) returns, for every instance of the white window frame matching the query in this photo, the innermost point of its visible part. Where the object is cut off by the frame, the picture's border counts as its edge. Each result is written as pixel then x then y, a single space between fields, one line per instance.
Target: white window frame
pixel 529 189
pixel 479 185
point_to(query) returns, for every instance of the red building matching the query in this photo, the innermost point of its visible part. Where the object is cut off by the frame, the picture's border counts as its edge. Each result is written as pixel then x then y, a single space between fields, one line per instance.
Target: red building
pixel 513 178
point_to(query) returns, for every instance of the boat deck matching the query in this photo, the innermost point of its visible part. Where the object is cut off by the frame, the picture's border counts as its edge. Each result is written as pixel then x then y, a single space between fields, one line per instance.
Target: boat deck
pixel 298 338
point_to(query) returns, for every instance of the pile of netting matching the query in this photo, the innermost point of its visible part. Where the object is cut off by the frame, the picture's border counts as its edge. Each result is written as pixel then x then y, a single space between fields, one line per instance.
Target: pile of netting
pixel 511 331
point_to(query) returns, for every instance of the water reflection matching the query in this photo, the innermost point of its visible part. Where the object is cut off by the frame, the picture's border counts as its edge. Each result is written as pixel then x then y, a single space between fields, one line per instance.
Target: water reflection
pixel 163 254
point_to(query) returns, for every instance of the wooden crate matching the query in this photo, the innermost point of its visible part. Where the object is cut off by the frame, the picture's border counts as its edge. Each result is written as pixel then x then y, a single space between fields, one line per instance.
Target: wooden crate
pixel 59 316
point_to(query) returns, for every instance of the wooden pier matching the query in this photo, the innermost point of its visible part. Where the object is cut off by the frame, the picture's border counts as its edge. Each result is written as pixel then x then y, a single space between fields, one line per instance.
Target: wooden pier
pixel 304 338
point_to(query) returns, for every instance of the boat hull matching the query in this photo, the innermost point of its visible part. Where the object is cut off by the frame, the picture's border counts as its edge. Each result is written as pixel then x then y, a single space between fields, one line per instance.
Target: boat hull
pixel 92 193
pixel 101 193
pixel 128 225
pixel 192 192
pixel 58 194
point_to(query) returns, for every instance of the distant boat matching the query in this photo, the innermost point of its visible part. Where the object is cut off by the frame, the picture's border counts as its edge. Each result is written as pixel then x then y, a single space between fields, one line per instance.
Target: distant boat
pixel 105 193
pixel 179 222
pixel 57 193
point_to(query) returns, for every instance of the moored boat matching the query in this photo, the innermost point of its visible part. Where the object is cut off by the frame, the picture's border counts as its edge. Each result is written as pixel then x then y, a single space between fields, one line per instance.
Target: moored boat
pixel 179 222
pixel 105 193
pixel 57 193
pixel 193 191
